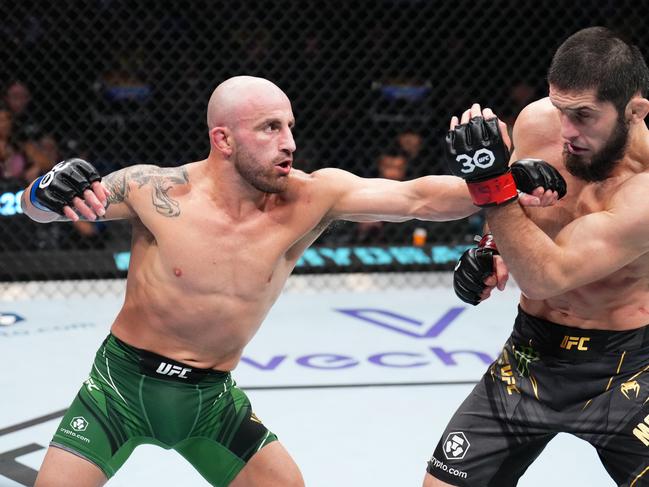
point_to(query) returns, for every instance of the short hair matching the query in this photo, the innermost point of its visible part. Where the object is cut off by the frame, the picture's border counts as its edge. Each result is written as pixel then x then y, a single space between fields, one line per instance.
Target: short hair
pixel 598 58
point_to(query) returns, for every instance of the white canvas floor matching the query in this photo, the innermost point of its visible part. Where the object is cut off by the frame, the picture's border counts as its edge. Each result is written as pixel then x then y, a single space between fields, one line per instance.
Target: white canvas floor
pixel 357 385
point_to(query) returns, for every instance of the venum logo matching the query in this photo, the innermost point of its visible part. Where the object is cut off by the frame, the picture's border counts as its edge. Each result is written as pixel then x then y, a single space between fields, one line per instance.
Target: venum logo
pixel 456 445
pixel 630 387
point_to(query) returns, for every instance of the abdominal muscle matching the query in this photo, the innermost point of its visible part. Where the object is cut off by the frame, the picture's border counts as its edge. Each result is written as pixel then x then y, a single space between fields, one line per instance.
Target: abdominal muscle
pixel 202 329
pixel 605 305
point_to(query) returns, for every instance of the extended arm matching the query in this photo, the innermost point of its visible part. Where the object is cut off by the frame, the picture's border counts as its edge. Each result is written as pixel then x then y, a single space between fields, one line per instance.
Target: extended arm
pixel 435 198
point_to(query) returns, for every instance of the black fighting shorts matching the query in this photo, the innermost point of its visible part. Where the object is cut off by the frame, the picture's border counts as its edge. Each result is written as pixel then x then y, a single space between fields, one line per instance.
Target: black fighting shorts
pixel 549 379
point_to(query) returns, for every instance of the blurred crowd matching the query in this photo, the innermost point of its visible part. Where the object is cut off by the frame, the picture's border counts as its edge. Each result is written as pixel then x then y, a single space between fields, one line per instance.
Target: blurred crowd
pixel 30 146
pixel 373 85
pixel 28 149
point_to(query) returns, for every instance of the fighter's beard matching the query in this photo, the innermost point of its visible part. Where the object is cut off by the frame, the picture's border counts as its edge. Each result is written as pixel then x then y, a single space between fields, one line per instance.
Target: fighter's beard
pixel 601 165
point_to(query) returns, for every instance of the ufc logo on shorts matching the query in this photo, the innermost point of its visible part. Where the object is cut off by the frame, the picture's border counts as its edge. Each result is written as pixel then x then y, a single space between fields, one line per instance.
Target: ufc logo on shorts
pixel 507 376
pixel 167 369
pixel 483 158
pixel 569 342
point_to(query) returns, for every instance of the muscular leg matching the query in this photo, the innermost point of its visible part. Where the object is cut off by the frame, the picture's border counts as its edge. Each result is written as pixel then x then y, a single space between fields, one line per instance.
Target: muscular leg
pixel 271 466
pixel 62 468
pixel 430 481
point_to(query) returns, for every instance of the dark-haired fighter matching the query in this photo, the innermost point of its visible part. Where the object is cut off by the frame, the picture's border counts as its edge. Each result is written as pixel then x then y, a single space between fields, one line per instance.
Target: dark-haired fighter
pixel 578 358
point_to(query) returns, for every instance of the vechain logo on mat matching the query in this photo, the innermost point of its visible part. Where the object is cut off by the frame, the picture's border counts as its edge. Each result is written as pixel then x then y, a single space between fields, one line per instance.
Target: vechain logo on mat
pixel 403 324
pixel 419 349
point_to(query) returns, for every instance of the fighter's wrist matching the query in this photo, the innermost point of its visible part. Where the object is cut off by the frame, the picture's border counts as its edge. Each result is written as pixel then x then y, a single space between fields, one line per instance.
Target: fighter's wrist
pixel 33 199
pixel 493 191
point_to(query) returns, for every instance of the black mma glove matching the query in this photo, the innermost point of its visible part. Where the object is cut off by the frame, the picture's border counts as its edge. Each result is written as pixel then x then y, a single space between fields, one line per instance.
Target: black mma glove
pixel 529 174
pixel 58 187
pixel 473 268
pixel 475 151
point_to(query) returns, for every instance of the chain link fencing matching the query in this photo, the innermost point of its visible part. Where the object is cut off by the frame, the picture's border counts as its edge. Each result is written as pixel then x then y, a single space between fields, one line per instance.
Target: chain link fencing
pixel 126 82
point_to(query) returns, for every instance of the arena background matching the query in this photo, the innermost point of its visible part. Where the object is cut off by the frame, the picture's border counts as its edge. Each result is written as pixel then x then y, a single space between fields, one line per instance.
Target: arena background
pixel 126 82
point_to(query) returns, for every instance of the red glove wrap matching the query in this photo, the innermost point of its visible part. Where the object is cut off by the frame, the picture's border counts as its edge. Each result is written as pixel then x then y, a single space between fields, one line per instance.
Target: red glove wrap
pixel 493 191
pixel 487 242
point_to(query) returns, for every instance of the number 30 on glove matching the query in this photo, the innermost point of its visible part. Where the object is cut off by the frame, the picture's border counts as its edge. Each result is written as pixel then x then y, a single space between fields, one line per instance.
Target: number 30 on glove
pixel 476 152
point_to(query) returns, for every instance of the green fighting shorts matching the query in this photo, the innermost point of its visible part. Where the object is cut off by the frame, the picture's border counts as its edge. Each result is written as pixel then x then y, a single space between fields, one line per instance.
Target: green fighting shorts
pixel 549 379
pixel 133 397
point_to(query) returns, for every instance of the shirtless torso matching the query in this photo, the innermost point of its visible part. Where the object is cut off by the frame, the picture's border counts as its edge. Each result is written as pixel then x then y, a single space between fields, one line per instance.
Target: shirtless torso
pixel 618 300
pixel 206 266
pixel 202 281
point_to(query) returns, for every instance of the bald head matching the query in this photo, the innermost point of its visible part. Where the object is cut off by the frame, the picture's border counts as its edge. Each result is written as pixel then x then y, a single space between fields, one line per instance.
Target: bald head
pixel 237 96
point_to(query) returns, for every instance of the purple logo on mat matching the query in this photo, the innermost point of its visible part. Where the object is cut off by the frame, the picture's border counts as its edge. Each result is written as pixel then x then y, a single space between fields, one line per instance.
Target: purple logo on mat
pixel 395 323
pixel 404 324
pixel 8 319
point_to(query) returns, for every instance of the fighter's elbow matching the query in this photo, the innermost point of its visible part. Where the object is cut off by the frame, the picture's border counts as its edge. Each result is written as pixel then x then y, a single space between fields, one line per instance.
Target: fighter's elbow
pixel 541 289
pixel 536 293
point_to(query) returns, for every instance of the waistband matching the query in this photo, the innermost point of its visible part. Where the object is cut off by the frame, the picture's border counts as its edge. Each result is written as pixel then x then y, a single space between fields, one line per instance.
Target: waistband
pixel 165 368
pixel 574 344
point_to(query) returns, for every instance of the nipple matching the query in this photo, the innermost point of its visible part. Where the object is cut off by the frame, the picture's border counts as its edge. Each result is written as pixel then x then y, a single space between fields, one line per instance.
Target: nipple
pixel 177 272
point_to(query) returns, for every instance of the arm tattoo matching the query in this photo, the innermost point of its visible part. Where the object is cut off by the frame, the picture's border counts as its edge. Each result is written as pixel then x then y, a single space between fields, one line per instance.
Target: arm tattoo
pixel 160 179
pixel 117 187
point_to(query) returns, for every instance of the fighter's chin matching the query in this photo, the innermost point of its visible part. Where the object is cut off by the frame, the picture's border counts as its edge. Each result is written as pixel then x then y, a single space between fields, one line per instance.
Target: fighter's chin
pixel 588 169
pixel 276 186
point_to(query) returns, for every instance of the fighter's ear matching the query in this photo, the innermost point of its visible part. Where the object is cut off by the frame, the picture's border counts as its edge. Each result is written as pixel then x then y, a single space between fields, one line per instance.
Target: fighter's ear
pixel 637 109
pixel 221 139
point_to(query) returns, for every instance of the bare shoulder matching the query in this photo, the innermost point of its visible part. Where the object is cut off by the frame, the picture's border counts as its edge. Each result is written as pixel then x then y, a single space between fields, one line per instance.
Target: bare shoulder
pixel 633 191
pixel 156 185
pixel 538 113
pixel 143 174
pixel 332 178
pixel 630 206
pixel 537 126
pixel 321 189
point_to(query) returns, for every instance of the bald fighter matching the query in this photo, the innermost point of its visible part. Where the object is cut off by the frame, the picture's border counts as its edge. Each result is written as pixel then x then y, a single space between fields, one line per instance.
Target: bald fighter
pixel 213 244
pixel 577 360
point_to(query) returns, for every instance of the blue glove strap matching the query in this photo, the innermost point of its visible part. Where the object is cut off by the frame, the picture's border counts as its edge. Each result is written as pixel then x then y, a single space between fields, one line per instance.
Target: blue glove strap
pixel 32 197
